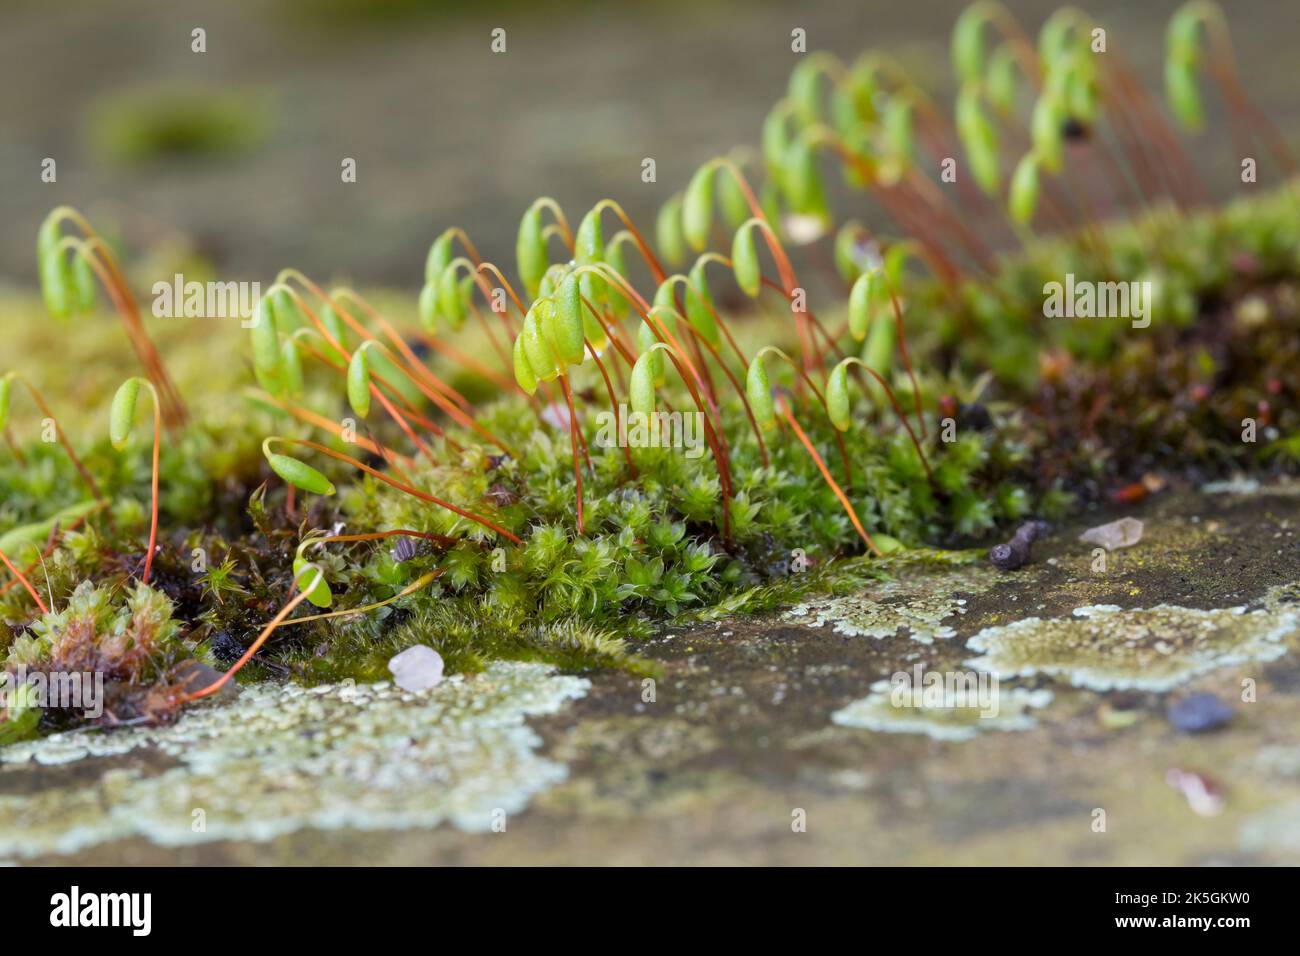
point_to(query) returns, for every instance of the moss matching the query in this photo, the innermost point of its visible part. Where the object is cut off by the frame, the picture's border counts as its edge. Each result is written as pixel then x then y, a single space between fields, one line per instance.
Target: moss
pixel 1051 415
pixel 151 125
pixel 742 733
pixel 131 641
pixel 469 635
pixel 653 547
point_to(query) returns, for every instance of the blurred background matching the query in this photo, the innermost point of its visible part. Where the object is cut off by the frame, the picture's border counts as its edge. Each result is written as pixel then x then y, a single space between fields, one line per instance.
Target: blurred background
pixel 234 154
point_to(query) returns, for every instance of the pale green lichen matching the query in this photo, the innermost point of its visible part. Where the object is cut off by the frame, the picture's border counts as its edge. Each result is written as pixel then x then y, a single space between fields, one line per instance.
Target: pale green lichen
pixel 1274 832
pixel 884 711
pixel 1104 647
pixel 1241 485
pixel 1232 486
pixel 918 605
pixel 280 759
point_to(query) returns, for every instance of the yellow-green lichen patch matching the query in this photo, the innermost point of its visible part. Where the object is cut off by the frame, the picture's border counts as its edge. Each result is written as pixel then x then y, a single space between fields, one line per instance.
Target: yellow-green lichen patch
pixel 1104 647
pixel 888 709
pixel 280 759
pixel 918 604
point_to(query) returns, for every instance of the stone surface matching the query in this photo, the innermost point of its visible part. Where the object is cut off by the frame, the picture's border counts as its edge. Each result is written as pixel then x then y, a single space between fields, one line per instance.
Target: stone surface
pixel 753 719
pixel 283 759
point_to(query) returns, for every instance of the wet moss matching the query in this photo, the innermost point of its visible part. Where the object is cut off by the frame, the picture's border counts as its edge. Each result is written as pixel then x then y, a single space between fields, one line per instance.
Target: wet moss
pixel 145 126
pixel 1049 436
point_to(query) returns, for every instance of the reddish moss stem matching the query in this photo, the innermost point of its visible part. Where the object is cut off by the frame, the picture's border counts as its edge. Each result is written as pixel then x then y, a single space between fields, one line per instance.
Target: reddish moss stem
pixel 153 508
pixel 573 440
pixel 39 399
pixel 826 475
pixel 400 486
pixel 22 578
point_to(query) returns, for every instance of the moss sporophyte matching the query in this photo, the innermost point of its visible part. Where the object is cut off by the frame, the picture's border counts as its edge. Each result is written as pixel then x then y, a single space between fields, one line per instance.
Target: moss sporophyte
pixel 928 405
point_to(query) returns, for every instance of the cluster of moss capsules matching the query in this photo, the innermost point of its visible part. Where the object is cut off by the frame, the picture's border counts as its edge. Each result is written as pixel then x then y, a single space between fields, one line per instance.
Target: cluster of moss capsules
pixel 506 508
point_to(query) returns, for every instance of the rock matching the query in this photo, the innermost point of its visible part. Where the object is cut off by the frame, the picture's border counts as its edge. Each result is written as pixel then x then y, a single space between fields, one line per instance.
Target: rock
pixel 1198 713
pixel 1116 534
pixel 282 760
pixel 416 668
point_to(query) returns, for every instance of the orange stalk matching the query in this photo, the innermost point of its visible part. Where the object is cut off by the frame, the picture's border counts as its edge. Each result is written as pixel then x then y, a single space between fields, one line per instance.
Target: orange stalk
pixel 25 583
pixel 50 546
pixel 333 427
pixel 902 347
pixel 288 609
pixel 643 247
pixel 614 403
pixel 39 399
pixel 826 475
pixel 400 486
pixel 573 440
pixel 253 648
pixel 153 507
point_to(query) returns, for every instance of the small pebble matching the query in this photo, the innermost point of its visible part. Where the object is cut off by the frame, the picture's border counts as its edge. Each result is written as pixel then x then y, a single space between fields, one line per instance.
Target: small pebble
pixel 417 668
pixel 1198 713
pixel 1117 534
